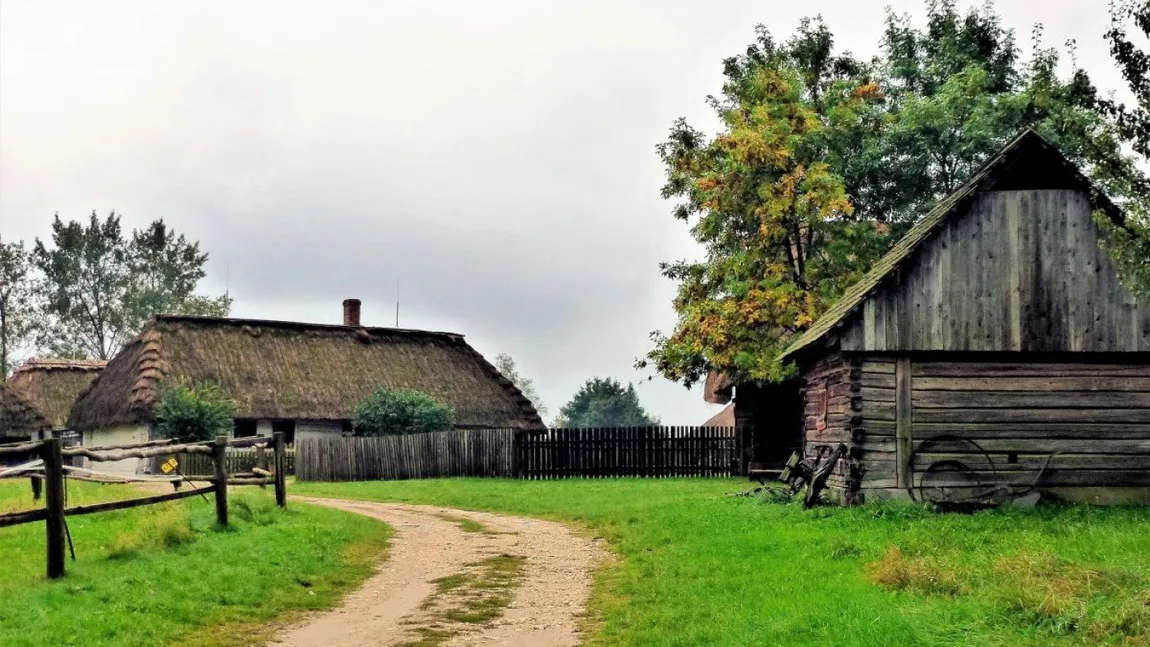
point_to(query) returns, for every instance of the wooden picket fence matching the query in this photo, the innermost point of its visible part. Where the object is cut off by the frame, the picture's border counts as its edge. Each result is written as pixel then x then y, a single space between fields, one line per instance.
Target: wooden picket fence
pixel 631 451
pixel 462 452
pixel 555 453
pixel 235 461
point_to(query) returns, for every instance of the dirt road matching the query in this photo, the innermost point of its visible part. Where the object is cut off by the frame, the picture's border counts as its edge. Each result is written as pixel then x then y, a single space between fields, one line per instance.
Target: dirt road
pixel 457 578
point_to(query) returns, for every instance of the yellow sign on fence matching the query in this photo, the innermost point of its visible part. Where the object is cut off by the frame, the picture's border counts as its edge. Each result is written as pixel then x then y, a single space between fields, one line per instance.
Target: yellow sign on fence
pixel 170 465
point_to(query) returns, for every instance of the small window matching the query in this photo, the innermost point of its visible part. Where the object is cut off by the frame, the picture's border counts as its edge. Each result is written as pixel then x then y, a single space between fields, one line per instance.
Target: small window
pixel 287 427
pixel 244 428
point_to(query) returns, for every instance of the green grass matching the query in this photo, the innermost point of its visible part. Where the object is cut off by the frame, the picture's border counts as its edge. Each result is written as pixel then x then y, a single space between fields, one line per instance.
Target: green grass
pixel 167 575
pixel 465 601
pixel 697 567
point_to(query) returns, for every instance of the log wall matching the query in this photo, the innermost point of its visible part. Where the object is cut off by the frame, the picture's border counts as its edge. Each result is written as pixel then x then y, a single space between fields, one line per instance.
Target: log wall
pixel 831 415
pixel 1065 424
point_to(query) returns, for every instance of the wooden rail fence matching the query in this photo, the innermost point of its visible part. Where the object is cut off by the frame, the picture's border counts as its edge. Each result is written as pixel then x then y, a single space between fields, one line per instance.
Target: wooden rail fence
pixel 48 473
pixel 237 460
pixel 555 453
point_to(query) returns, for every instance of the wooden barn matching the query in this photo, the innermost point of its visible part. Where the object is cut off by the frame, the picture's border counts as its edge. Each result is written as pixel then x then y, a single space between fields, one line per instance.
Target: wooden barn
pixel 993 352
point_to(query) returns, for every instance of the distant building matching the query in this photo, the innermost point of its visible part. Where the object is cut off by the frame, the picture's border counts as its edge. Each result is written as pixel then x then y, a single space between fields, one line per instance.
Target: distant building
pixel 19 419
pixel 299 378
pixel 52 385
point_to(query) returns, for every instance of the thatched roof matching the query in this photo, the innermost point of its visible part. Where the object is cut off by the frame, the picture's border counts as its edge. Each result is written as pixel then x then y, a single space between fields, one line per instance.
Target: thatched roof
pixel 288 370
pixel 17 416
pixel 51 384
pixel 1028 158
pixel 724 418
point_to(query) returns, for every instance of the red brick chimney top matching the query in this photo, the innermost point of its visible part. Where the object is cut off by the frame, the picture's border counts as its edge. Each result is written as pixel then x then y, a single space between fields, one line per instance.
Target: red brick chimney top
pixel 351 312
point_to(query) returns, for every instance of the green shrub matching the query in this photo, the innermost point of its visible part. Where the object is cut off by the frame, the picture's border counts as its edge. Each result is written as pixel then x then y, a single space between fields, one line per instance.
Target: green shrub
pixel 392 412
pixel 190 412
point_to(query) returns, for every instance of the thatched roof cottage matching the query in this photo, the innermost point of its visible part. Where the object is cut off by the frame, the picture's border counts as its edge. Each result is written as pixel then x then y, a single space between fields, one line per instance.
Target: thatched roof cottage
pixel 52 385
pixel 299 378
pixel 19 419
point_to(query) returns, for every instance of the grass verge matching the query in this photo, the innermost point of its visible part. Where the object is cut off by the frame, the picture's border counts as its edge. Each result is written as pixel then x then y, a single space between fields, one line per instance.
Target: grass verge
pixel 466 600
pixel 696 567
pixel 167 575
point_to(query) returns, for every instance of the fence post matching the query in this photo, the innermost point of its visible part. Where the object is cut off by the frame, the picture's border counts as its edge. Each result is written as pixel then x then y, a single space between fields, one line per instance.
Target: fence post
pixel 54 503
pixel 280 469
pixel 219 457
pixel 37 487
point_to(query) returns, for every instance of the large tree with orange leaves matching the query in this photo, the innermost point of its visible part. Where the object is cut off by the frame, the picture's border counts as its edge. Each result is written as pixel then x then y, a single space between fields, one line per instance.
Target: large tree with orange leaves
pixel 824 159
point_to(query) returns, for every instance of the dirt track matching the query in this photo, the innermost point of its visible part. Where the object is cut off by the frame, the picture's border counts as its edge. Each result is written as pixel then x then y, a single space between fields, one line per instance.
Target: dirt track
pixel 429 543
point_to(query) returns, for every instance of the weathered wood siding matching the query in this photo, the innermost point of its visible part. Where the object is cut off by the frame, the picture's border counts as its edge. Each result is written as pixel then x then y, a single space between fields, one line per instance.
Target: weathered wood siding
pixel 1020 271
pixel 1079 424
pixel 830 396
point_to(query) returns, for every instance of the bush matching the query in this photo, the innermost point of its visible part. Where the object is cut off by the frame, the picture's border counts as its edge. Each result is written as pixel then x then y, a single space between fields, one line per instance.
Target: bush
pixel 393 412
pixel 193 412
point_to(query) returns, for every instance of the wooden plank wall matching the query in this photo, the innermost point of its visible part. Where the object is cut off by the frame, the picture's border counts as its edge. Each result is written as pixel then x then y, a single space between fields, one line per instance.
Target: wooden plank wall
pixel 831 414
pixel 1079 424
pixel 627 452
pixel 461 452
pixel 1020 271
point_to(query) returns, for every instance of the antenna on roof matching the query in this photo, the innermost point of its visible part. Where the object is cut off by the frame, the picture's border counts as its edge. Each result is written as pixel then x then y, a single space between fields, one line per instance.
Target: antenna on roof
pixel 227 289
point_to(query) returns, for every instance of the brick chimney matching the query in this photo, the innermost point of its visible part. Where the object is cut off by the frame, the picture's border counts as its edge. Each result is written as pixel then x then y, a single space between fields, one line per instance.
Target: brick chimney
pixel 351 312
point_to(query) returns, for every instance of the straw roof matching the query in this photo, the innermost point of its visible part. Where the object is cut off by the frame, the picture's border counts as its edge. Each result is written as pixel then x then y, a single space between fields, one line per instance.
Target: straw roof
pixel 288 370
pixel 724 418
pixel 51 384
pixel 17 416
pixel 1028 158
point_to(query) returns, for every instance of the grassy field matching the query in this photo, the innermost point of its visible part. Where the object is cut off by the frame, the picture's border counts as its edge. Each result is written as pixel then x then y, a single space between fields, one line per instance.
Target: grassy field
pixel 166 575
pixel 701 568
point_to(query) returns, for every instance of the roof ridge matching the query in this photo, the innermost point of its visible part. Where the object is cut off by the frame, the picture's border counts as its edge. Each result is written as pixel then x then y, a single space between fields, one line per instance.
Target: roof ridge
pixel 919 232
pixel 237 321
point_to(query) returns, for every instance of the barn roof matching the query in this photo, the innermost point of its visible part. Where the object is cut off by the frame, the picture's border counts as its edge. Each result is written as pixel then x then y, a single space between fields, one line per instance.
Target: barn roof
pixel 18 417
pixel 290 370
pixel 52 384
pixel 1027 161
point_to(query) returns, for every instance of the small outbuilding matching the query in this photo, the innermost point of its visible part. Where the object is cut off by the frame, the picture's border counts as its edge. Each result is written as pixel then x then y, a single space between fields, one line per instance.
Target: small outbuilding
pixel 992 351
pixel 19 418
pixel 299 378
pixel 53 384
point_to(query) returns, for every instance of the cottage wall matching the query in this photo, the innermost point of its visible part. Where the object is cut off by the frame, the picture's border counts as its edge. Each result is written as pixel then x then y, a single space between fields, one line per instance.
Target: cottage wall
pixel 118 435
pixel 317 429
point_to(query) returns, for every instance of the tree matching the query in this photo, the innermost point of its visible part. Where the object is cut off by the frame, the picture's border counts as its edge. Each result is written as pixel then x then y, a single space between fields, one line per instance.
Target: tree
pixel 1130 241
pixel 394 412
pixel 604 402
pixel 18 312
pixel 823 160
pixel 506 366
pixel 188 412
pixel 100 288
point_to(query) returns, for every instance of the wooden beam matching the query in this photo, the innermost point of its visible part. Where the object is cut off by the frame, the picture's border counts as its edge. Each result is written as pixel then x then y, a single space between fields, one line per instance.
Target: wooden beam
pixel 220 457
pixel 904 415
pixel 21 448
pixel 279 469
pixel 54 505
pixel 135 503
pixel 26 516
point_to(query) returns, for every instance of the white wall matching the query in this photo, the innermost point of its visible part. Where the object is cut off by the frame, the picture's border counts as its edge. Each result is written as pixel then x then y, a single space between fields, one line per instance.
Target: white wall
pixel 317 428
pixel 121 435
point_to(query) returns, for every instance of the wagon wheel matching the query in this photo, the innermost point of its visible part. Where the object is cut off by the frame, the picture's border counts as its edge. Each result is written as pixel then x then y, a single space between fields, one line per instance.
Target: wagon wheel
pixel 951 482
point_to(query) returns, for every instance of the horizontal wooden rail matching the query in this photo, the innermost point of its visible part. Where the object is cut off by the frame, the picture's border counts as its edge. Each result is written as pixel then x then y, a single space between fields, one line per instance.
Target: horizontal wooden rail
pixel 250 441
pixel 27 516
pixel 21 448
pixel 134 503
pixel 147 452
pixel 251 481
pixel 106 448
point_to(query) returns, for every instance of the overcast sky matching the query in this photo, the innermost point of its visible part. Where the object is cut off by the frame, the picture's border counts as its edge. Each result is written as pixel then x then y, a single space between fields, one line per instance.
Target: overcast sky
pixel 495 156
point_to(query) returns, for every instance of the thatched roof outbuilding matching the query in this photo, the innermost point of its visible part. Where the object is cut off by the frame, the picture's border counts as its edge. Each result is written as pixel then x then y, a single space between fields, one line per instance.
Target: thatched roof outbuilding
pixel 290 370
pixel 18 417
pixel 52 385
